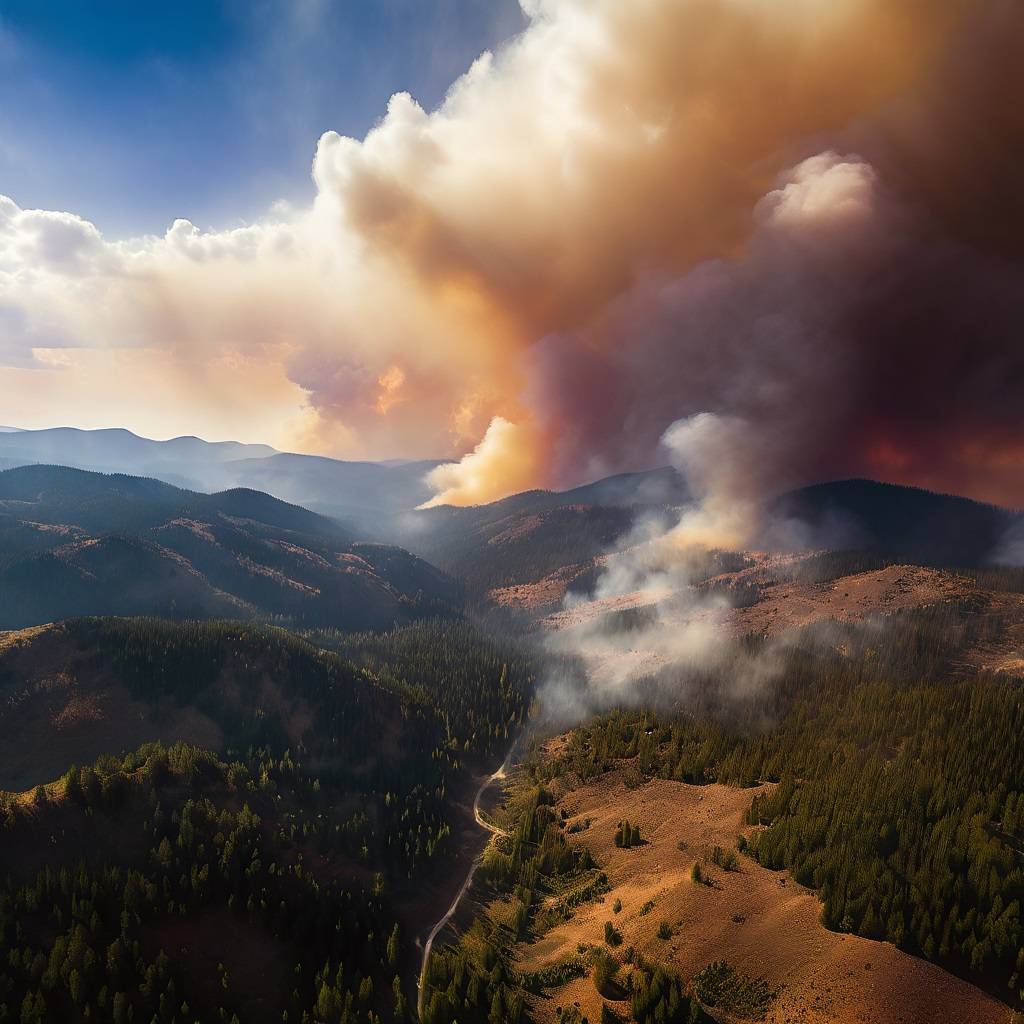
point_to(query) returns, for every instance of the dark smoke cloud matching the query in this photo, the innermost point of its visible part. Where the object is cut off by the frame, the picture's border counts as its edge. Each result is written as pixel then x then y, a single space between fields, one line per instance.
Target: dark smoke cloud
pixel 879 331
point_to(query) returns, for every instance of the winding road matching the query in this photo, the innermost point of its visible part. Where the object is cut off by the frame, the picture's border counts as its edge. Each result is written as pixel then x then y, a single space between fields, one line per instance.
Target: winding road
pixel 421 984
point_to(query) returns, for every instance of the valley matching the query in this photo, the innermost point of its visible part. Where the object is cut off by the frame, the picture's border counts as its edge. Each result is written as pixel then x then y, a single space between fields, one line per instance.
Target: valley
pixel 428 945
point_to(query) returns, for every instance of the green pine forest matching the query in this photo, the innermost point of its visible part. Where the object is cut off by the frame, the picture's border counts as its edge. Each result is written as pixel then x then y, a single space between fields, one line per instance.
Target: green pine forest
pixel 280 876
pixel 152 886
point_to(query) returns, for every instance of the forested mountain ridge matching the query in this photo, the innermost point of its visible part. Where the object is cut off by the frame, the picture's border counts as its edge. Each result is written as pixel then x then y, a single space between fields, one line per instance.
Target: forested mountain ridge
pixel 524 537
pixel 911 523
pixel 77 543
pixel 493 546
pixel 69 688
pixel 298 803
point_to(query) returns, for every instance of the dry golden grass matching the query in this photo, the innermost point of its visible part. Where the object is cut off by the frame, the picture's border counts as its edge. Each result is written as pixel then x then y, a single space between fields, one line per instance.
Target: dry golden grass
pixel 850 598
pixel 540 594
pixel 789 604
pixel 760 921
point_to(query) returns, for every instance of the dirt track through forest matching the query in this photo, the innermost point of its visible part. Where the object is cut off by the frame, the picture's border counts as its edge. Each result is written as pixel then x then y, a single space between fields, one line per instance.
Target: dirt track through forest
pixel 421 984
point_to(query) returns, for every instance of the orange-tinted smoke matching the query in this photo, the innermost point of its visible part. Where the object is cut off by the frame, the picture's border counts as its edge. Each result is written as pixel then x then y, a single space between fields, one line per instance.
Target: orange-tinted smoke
pixel 803 216
pixel 882 318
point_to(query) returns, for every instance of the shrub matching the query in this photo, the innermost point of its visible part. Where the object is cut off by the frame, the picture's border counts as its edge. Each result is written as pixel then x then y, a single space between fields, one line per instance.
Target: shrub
pixel 720 985
pixel 725 859
pixel 627 835
pixel 605 969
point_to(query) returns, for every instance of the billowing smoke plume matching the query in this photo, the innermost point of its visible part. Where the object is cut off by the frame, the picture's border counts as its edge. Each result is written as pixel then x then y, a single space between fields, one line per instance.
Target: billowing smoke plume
pixel 500 454
pixel 802 219
pixel 647 628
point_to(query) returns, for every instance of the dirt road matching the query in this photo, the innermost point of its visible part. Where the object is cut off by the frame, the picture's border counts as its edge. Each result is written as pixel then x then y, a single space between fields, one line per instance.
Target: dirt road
pixel 436 930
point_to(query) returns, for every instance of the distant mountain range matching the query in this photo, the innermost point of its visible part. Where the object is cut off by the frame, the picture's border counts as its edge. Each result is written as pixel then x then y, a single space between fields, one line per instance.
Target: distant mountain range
pixel 358 491
pixel 525 537
pixel 331 486
pixel 75 543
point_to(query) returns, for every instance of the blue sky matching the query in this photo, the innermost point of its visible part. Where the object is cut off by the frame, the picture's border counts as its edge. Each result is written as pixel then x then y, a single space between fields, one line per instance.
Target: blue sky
pixel 134 113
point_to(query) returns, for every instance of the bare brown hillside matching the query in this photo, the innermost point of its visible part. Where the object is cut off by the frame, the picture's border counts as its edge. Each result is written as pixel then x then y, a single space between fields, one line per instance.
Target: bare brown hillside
pixel 541 595
pixel 782 603
pixel 760 921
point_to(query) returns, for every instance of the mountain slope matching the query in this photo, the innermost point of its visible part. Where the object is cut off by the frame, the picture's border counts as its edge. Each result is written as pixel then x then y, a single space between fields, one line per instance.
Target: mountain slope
pixel 506 543
pixel 525 551
pixel 914 524
pixel 525 538
pixel 651 487
pixel 76 543
pixel 102 686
